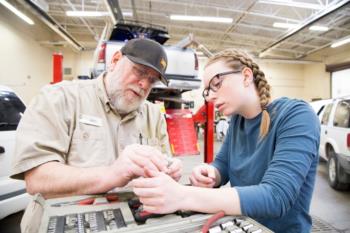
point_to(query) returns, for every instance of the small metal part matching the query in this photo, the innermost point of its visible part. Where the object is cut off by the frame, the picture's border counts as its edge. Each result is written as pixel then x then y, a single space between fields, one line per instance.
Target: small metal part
pixel 216 229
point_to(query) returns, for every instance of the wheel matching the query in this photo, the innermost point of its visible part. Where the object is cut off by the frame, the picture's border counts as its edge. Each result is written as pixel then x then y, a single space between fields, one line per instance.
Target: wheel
pixel 333 172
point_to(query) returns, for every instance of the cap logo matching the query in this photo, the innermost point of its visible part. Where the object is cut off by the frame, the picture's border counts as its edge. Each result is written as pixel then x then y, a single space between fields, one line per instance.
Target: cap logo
pixel 163 63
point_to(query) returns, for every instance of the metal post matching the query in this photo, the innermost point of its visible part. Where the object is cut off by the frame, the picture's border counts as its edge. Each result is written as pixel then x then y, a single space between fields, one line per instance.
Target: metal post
pixel 57 67
pixel 209 133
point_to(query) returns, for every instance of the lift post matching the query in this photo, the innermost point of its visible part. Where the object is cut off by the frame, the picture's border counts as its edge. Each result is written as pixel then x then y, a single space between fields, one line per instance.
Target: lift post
pixel 205 115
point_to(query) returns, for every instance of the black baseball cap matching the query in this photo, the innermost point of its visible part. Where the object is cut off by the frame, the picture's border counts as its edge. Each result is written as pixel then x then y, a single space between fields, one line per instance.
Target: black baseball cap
pixel 149 53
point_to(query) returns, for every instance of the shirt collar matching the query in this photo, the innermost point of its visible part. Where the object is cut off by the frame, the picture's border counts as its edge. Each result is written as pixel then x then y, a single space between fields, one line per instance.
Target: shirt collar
pixel 102 93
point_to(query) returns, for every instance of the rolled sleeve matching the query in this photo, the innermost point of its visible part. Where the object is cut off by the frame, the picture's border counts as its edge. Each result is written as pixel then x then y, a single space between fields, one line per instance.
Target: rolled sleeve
pixel 43 132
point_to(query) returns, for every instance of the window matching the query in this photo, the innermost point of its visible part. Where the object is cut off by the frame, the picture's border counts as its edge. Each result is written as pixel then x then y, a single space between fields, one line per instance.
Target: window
pixel 327 112
pixel 11 109
pixel 342 114
pixel 340 83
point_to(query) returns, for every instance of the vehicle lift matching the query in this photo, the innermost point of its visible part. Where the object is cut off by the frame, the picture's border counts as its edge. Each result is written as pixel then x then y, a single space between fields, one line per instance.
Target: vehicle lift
pixel 205 115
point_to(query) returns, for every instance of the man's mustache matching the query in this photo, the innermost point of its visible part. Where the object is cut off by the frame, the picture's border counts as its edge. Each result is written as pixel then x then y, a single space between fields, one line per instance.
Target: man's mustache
pixel 138 91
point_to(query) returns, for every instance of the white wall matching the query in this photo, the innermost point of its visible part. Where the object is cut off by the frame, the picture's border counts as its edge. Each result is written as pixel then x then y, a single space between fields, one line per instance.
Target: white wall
pixel 316 82
pixel 285 79
pixel 80 62
pixel 25 66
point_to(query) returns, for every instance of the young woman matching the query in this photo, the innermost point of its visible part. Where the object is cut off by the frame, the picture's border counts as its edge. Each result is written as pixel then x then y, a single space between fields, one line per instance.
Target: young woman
pixel 269 155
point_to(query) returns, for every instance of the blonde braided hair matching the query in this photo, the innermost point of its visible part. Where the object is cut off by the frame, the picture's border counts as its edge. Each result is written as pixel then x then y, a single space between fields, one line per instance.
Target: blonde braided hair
pixel 238 60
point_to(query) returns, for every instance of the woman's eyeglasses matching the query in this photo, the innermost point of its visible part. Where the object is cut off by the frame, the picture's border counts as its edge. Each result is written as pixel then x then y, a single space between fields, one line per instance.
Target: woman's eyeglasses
pixel 216 82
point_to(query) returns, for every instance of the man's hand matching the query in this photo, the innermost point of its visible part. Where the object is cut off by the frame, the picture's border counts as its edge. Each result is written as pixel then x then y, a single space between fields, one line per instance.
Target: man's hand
pixel 135 158
pixel 204 175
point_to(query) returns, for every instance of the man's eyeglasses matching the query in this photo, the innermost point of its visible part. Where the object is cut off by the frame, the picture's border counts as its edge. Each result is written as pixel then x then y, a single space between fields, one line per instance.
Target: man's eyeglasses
pixel 143 74
pixel 216 82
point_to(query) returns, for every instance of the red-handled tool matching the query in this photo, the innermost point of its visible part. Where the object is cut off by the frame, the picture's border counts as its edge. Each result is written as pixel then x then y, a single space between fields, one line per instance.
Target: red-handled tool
pixel 112 197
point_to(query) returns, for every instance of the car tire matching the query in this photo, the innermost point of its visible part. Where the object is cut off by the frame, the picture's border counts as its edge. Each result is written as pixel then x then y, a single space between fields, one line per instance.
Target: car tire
pixel 333 172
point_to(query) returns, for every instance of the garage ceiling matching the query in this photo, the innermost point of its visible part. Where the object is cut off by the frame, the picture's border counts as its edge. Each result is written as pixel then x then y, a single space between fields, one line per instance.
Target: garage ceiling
pixel 251 27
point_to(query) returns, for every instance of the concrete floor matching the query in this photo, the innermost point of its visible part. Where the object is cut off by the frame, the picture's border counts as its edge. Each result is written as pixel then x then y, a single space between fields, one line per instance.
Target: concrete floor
pixel 328 204
pixel 330 207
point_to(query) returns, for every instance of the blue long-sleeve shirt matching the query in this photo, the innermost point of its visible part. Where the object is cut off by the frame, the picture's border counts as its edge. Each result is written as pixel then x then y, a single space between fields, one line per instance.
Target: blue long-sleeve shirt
pixel 274 176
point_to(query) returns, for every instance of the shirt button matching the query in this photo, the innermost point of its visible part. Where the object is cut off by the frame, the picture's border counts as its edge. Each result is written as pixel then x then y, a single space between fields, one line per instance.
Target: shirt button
pixel 85 135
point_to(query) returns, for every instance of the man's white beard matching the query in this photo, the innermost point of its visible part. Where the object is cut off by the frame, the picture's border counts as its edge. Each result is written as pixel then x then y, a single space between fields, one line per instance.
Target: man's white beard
pixel 124 106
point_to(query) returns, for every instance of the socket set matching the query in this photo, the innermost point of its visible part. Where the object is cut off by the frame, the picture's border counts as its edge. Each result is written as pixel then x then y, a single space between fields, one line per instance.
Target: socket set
pixel 122 212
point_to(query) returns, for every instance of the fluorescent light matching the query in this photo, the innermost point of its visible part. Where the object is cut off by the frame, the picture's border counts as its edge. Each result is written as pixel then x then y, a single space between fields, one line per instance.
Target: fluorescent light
pixel 201 18
pixel 17 12
pixel 92 13
pixel 318 28
pixel 293 4
pixel 86 13
pixel 285 25
pixel 127 13
pixel 341 42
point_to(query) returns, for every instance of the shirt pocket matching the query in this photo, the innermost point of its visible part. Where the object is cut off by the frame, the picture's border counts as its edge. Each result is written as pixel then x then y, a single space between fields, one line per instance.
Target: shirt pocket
pixel 138 139
pixel 87 147
pixel 152 142
pixel 129 139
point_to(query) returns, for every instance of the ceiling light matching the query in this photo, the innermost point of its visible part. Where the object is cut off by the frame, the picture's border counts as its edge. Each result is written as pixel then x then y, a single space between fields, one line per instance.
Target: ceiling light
pixel 341 42
pixel 285 25
pixel 92 13
pixel 293 4
pixel 86 13
pixel 127 13
pixel 17 12
pixel 201 18
pixel 319 28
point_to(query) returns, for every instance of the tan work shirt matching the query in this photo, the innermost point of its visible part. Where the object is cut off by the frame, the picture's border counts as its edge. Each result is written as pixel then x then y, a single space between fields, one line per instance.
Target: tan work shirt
pixel 74 123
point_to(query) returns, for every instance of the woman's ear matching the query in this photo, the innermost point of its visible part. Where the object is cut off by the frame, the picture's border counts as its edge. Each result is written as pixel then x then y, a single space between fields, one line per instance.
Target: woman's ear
pixel 116 57
pixel 248 76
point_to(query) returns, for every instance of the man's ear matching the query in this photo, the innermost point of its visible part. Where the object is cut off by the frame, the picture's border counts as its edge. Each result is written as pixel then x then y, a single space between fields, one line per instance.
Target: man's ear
pixel 248 76
pixel 116 57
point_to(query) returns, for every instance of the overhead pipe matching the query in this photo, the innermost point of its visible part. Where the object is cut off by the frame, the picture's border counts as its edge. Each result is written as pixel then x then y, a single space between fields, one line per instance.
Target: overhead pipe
pixel 190 40
pixel 114 10
pixel 134 10
pixel 49 21
pixel 83 20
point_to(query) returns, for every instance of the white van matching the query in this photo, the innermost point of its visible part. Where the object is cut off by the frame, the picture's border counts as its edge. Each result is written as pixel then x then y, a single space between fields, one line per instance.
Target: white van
pixel 13 195
pixel 335 141
pixel 319 105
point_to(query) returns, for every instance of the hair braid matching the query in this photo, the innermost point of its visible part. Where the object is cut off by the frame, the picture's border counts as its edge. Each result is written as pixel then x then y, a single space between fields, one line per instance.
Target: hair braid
pixel 238 60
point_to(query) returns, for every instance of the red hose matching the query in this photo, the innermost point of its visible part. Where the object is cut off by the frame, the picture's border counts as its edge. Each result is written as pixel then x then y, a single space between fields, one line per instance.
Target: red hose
pixel 212 220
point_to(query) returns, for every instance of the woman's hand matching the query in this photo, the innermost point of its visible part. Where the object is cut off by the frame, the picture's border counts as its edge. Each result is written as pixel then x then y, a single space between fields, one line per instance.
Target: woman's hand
pixel 174 168
pixel 159 193
pixel 204 175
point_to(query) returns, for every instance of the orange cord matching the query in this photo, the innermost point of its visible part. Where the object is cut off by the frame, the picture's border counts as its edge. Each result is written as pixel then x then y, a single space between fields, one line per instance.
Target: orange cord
pixel 212 220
